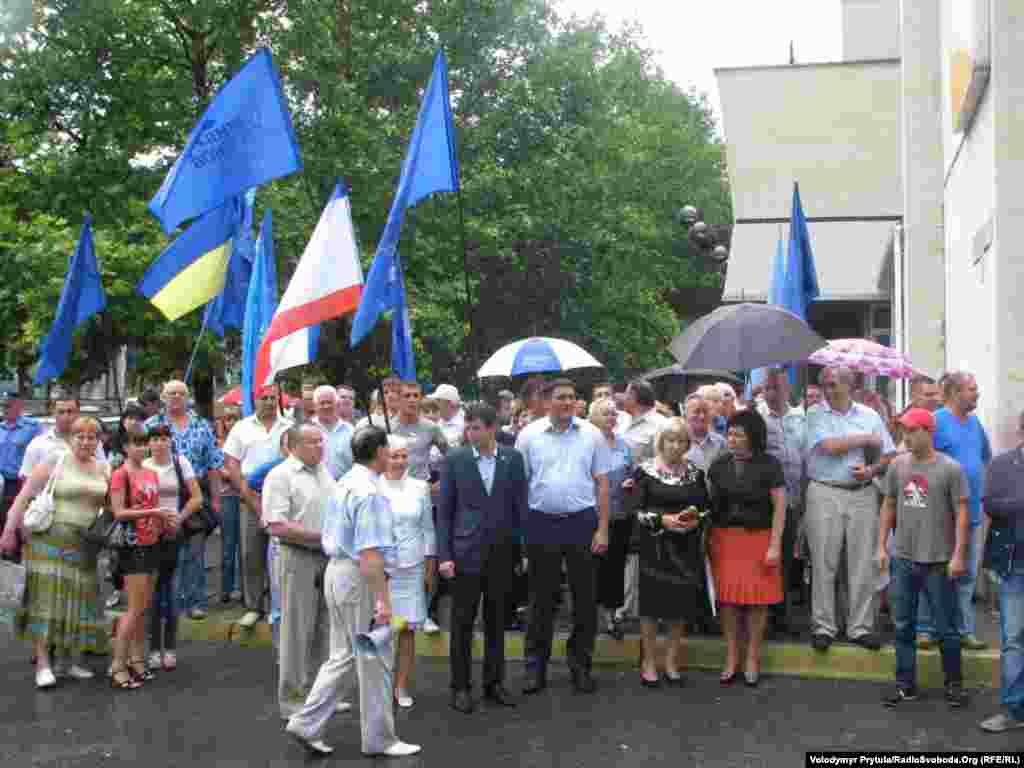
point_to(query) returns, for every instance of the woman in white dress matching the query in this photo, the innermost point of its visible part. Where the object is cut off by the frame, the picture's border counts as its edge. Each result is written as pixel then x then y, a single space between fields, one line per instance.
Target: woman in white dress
pixel 414 570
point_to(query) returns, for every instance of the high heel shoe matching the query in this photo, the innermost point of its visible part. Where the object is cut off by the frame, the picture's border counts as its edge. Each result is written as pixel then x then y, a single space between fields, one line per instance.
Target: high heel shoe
pixel 727 679
pixel 122 679
pixel 655 683
pixel 140 671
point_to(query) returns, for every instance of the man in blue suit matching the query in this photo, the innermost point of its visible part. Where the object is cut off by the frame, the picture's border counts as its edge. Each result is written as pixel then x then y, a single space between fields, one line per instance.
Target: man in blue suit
pixel 482 505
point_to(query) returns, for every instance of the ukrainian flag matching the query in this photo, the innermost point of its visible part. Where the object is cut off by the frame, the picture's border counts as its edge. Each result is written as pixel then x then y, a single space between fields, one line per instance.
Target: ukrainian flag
pixel 191 270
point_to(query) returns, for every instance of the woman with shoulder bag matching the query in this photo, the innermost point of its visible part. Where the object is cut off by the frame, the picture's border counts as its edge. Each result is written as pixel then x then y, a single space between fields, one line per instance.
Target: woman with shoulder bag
pixel 179 490
pixel 135 499
pixel 62 589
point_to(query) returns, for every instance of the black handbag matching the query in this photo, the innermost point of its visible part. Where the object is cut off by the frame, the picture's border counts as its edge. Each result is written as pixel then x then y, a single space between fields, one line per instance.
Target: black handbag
pixel 106 530
pixel 201 522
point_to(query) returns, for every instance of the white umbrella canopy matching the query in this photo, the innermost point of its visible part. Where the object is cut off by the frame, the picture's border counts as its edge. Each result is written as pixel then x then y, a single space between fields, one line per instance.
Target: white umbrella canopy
pixel 538 354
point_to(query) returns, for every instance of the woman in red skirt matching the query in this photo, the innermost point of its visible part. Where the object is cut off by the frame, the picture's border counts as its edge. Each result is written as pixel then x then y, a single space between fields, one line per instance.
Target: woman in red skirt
pixel 748 514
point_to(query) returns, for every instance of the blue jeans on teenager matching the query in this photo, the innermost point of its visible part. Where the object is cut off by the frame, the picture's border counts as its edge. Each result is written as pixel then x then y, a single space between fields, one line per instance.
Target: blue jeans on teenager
pixel 230 534
pixel 163 613
pixel 1011 625
pixel 190 577
pixel 965 588
pixel 910 582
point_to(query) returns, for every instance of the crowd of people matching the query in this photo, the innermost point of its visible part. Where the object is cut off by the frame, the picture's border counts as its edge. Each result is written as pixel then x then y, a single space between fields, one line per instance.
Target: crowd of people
pixel 712 512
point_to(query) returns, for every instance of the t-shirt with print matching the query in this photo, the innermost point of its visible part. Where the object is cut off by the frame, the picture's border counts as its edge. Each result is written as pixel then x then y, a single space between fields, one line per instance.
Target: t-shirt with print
pixel 927 498
pixel 144 493
pixel 170 494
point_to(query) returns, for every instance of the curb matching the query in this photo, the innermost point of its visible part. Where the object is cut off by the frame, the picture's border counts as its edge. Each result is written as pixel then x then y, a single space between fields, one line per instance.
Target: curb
pixel 842 662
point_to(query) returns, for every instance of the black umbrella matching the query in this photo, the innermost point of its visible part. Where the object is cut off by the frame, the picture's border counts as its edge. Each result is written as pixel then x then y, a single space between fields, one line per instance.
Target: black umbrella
pixel 740 337
pixel 673 384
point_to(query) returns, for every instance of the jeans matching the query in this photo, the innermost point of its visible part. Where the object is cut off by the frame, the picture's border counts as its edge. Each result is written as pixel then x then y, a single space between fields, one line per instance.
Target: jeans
pixel 910 581
pixel 163 613
pixel 230 541
pixel 1011 625
pixel 190 578
pixel 965 587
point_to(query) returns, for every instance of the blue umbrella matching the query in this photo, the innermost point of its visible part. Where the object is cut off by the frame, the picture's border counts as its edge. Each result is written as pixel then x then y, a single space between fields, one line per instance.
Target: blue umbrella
pixel 539 354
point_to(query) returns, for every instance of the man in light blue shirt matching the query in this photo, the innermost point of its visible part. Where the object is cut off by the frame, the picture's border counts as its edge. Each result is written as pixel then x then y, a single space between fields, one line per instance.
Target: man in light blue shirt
pixel 845 442
pixel 960 435
pixel 338 433
pixel 16 432
pixel 358 535
pixel 567 464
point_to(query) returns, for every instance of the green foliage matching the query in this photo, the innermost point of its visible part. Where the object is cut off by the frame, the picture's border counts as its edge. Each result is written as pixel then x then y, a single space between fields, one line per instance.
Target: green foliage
pixel 575 155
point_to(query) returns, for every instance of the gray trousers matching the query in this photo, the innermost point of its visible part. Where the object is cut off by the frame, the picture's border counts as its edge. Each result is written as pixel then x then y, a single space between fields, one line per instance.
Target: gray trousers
pixel 304 624
pixel 253 556
pixel 836 518
pixel 350 608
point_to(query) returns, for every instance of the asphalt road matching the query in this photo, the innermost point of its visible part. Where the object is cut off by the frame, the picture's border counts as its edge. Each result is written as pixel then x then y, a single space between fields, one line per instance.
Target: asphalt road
pixel 218 709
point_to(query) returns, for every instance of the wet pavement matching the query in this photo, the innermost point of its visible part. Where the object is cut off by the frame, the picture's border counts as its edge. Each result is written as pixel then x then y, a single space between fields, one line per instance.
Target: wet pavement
pixel 218 709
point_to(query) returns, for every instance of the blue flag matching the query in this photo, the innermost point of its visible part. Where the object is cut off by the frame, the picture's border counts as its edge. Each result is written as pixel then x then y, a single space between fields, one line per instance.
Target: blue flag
pixel 244 139
pixel 81 298
pixel 801 284
pixel 227 310
pixel 260 306
pixel 430 166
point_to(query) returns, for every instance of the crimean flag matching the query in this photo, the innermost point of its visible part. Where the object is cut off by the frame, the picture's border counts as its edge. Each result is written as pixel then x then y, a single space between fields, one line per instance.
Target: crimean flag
pixel 327 283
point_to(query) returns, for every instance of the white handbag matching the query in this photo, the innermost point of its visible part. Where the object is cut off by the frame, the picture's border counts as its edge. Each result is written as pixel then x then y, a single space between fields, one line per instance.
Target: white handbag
pixel 39 515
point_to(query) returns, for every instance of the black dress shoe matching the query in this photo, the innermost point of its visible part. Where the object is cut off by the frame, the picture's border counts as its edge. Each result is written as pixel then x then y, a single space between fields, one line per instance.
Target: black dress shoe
pixel 534 684
pixel 821 642
pixel 869 641
pixel 582 681
pixel 498 695
pixel 462 701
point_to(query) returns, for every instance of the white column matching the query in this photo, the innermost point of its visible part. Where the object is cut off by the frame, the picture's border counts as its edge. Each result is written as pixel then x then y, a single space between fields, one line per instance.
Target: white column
pixel 924 270
pixel 1007 91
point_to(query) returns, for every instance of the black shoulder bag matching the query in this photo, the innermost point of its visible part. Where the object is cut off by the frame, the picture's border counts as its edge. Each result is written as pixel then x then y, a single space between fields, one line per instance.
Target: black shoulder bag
pixel 201 522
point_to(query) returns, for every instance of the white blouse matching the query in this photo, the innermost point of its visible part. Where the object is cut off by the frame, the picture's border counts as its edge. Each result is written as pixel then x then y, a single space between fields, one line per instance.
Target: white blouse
pixel 413 515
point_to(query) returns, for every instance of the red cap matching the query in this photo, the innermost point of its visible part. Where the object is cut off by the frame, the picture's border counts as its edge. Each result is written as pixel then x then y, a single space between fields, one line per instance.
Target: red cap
pixel 918 418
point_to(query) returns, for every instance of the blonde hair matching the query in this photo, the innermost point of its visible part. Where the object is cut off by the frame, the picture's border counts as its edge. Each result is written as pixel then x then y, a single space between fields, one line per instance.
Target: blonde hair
pixel 598 413
pixel 675 427
pixel 83 421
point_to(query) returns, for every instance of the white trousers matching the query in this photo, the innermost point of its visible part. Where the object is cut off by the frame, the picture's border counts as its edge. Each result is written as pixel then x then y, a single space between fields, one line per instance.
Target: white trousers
pixel 350 608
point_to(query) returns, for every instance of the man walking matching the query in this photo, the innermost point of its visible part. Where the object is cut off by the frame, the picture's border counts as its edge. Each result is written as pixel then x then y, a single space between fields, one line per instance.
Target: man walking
pixel 338 433
pixel 359 538
pixel 1004 504
pixel 959 435
pixel 252 442
pixel 192 438
pixel 294 495
pixel 842 508
pixel 567 464
pixel 926 504
pixel 482 505
pixel 16 432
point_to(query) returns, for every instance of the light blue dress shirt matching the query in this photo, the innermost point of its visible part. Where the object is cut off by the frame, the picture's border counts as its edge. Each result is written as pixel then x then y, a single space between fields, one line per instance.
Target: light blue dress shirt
pixel 824 423
pixel 14 439
pixel 561 466
pixel 486 465
pixel 358 517
pixel 338 451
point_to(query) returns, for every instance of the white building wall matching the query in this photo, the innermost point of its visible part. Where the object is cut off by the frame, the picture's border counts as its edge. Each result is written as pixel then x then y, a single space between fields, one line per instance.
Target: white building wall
pixel 870 29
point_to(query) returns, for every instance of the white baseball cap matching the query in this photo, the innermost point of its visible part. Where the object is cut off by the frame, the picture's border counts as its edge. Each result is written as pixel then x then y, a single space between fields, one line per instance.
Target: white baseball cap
pixel 446 392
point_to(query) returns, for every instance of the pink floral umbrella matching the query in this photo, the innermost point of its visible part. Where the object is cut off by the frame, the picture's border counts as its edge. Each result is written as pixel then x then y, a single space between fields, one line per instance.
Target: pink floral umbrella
pixel 863 356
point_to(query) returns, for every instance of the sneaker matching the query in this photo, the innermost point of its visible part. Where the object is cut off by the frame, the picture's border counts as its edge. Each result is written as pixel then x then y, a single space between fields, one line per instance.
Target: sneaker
pixel 924 641
pixel 1001 723
pixel 156 660
pixel 197 614
pixel 45 679
pixel 972 643
pixel 401 749
pixel 955 695
pixel 431 628
pixel 114 600
pixel 77 672
pixel 236 595
pixel 899 695
pixel 250 619
pixel 315 746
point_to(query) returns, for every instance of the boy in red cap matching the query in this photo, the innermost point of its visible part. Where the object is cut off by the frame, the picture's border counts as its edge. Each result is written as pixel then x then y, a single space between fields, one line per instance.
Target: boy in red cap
pixel 926 505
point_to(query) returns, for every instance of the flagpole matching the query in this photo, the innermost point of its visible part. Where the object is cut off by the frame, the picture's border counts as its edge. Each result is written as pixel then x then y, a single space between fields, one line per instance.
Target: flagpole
pixel 195 349
pixel 465 275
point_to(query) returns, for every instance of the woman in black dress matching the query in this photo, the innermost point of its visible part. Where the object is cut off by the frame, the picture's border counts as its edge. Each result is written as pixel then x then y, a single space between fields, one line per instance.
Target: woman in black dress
pixel 671 499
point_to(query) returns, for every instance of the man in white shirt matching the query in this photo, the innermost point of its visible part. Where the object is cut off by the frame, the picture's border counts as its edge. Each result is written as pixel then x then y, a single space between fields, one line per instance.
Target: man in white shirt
pixel 294 495
pixel 453 420
pixel 45 446
pixel 252 442
pixel 338 450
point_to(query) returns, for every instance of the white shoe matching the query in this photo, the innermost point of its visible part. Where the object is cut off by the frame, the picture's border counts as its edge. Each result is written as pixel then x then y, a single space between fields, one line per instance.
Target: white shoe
pixel 342 706
pixel 45 678
pixel 431 628
pixel 80 673
pixel 249 620
pixel 401 749
pixel 156 660
pixel 316 745
pixel 403 698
